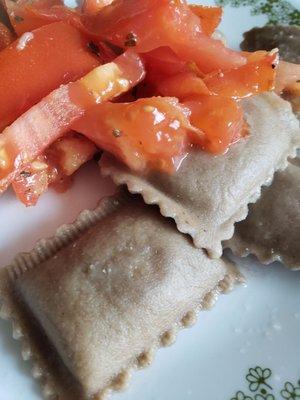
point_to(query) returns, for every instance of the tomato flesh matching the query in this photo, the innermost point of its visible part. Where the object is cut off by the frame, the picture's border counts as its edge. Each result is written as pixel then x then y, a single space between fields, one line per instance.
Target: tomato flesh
pixel 93 6
pixel 147 133
pixel 220 119
pixel 52 55
pixel 210 17
pixel 53 116
pixel 70 152
pixel 21 17
pixel 40 16
pixel 34 180
pixel 162 62
pixel 150 24
pixel 257 76
pixel 183 85
pixel 60 160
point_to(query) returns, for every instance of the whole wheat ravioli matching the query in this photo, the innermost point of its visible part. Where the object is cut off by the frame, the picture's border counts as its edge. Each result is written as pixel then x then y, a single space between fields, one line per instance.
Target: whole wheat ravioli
pixel 92 302
pixel 269 37
pixel 208 193
pixel 272 228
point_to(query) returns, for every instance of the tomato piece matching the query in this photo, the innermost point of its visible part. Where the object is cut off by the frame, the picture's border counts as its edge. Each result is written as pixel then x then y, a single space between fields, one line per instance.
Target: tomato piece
pixel 36 15
pixel 161 63
pixel 34 181
pixel 6 36
pixel 183 85
pixel 257 76
pixel 93 6
pixel 287 74
pixel 27 15
pixel 148 24
pixel 70 152
pixel 147 133
pixel 39 62
pixel 168 75
pixel 219 118
pixel 52 117
pixel 20 16
pixel 60 160
pixel 210 17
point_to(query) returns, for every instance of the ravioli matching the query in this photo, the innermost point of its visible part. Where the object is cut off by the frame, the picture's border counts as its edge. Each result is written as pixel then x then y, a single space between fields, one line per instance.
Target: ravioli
pixel 285 38
pixel 104 293
pixel 208 193
pixel 272 228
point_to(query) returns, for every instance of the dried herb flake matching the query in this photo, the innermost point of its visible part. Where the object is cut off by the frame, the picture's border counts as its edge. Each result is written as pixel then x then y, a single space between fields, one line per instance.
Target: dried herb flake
pixel 18 18
pixel 117 133
pixel 94 48
pixel 131 40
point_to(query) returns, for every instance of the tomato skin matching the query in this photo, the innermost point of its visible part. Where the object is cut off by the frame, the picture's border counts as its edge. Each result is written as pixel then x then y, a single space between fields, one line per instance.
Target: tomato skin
pixel 257 76
pixel 27 75
pixel 6 36
pixel 52 117
pixel 159 23
pixel 147 133
pixel 210 17
pixel 220 119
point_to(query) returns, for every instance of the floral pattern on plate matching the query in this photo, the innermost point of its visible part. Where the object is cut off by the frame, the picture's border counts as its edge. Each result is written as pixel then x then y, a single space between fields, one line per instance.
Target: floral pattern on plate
pixel 277 11
pixel 258 383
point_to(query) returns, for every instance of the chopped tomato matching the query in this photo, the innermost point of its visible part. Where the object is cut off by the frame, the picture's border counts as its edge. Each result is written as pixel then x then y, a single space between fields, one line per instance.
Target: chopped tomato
pixel 148 24
pixel 70 152
pixel 219 118
pixel 60 160
pixel 161 63
pixel 39 62
pixel 287 74
pixel 183 85
pixel 257 76
pixel 20 16
pixel 147 133
pixel 52 117
pixel 36 15
pixel 6 36
pixel 210 17
pixel 93 6
pixel 34 180
pixel 27 15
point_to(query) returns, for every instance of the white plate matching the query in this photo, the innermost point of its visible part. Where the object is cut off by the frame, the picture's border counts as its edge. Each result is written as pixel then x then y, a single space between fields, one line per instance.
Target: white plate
pixel 256 326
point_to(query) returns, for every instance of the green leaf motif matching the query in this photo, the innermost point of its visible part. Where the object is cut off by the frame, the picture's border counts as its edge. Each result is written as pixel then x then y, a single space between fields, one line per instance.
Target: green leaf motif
pixel 241 396
pixel 290 392
pixel 279 12
pixel 257 377
pixel 262 397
